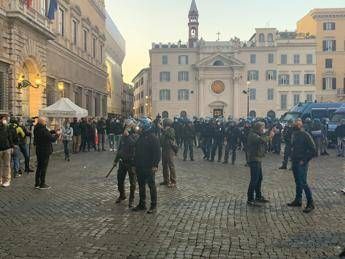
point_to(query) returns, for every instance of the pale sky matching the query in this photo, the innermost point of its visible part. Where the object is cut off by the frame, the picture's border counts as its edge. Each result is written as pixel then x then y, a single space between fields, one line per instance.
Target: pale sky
pixel 142 22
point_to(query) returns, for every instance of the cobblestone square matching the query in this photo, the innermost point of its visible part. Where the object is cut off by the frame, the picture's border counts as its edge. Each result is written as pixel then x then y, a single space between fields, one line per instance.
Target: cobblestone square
pixel 205 217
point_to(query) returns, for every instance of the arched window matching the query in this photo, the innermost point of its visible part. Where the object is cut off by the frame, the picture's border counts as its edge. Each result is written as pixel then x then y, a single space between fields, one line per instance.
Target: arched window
pixel 252 114
pixel 218 63
pixel 261 37
pixel 270 37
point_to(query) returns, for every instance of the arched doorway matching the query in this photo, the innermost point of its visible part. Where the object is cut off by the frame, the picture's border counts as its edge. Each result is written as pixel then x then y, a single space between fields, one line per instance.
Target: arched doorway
pixel 271 114
pixel 31 92
pixel 252 114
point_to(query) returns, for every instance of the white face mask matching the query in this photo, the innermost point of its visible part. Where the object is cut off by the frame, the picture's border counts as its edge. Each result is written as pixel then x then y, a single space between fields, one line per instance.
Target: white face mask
pixel 4 122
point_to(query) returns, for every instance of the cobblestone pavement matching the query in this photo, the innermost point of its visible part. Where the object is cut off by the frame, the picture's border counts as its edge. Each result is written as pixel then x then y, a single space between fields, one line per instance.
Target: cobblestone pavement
pixel 206 216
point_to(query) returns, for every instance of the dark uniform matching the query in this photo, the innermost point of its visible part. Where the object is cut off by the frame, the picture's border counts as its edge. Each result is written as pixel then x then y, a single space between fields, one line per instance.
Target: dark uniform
pixel 232 135
pixel 287 133
pixel 188 138
pixel 125 156
pixel 167 140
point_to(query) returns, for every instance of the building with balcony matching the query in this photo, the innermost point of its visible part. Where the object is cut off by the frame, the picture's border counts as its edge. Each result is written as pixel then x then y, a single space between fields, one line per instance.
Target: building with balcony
pixel 42 60
pixel 328 27
pixel 115 51
pixel 142 94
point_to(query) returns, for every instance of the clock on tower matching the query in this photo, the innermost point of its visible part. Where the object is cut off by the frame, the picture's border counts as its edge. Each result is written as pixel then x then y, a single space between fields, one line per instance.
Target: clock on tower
pixel 193 25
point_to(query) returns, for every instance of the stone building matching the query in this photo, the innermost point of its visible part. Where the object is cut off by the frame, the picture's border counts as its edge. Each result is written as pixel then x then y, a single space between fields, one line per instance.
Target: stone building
pixel 214 78
pixel 115 51
pixel 127 100
pixel 142 93
pixel 328 27
pixel 42 60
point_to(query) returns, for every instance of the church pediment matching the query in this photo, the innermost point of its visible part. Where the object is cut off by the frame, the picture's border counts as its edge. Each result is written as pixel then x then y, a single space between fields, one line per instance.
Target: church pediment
pixel 219 60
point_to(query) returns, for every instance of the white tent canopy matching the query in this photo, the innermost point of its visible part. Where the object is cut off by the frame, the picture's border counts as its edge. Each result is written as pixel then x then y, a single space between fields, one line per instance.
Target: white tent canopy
pixel 63 108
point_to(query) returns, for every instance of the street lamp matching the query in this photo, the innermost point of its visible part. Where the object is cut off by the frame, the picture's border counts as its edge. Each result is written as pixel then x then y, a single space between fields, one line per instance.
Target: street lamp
pixel 61 88
pixel 247 92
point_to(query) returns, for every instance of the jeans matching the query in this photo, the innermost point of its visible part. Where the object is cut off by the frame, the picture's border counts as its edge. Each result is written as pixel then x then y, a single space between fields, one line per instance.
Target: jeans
pixel 101 140
pixel 188 146
pixel 111 140
pixel 121 177
pixel 169 173
pixel 5 166
pixel 207 147
pixel 218 144
pixel 147 176
pixel 287 153
pixel 255 181
pixel 24 149
pixel 66 148
pixel 42 165
pixel 300 173
pixel 117 141
pixel 15 160
pixel 233 147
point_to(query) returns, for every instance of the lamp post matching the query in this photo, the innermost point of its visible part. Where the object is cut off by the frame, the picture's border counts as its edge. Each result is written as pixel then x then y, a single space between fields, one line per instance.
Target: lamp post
pixel 247 92
pixel 61 88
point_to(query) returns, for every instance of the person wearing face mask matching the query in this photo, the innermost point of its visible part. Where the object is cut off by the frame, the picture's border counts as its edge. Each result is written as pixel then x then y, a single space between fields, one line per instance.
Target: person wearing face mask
pixel 67 135
pixel 43 140
pixel 6 146
pixel 256 147
pixel 125 158
pixel 303 149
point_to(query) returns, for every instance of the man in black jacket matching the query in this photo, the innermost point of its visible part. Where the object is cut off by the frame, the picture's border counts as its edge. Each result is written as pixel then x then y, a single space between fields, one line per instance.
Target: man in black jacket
pixel 287 134
pixel 125 156
pixel 146 160
pixel 303 149
pixel 6 147
pixel 43 140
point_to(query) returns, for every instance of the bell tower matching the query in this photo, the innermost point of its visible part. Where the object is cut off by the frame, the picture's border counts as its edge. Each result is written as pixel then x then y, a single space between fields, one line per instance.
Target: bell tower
pixel 193 25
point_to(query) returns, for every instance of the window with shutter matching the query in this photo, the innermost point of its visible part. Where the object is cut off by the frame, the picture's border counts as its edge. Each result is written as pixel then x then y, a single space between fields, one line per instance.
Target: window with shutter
pixel 334 83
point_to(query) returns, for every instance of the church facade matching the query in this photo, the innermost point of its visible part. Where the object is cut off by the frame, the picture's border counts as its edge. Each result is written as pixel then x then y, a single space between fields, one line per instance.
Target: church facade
pixel 266 75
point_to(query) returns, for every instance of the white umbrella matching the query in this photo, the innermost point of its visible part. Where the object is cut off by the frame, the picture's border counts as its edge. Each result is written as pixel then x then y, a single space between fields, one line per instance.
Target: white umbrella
pixel 63 108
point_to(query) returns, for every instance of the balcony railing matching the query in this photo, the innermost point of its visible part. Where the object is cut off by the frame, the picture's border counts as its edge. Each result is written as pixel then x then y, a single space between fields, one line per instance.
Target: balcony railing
pixel 341 92
pixel 17 9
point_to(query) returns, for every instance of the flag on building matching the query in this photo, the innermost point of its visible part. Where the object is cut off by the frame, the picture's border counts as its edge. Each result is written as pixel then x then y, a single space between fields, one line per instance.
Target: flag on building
pixel 28 3
pixel 52 7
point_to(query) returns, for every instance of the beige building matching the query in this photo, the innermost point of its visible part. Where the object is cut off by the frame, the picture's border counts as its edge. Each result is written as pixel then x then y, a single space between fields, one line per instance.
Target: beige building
pixel 42 60
pixel 328 27
pixel 115 51
pixel 214 78
pixel 127 100
pixel 142 93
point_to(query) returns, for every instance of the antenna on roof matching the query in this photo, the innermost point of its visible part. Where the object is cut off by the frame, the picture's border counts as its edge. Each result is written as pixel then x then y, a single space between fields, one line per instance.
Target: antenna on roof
pixel 268 23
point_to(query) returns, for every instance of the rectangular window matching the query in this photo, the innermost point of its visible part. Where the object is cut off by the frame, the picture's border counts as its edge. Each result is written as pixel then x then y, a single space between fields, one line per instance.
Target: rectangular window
pixel 270 94
pixel 164 59
pixel 271 75
pixel 328 63
pixel 329 26
pixel 309 98
pixel 61 21
pixel 309 79
pixel 74 32
pixel 284 79
pixel 183 60
pixel 252 58
pixel 164 95
pixel 85 39
pixel 283 102
pixel 252 94
pixel 164 76
pixel 94 47
pixel 310 59
pixel 270 58
pixel 329 83
pixel 296 79
pixel 283 59
pixel 43 7
pixel 296 59
pixel 253 75
pixel 183 95
pixel 329 45
pixel 183 76
pixel 296 99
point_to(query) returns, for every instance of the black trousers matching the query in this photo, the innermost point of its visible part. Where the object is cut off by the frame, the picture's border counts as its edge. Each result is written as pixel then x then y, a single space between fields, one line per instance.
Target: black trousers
pixel 121 177
pixel 42 165
pixel 255 181
pixel 230 147
pixel 217 145
pixel 146 176
pixel 287 153
pixel 188 146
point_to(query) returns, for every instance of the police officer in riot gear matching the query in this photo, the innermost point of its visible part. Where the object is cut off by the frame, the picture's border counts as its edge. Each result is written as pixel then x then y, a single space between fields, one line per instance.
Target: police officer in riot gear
pixel 232 135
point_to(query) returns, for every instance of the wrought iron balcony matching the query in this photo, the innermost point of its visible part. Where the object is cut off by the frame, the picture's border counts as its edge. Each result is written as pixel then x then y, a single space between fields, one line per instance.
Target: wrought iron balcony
pixel 17 9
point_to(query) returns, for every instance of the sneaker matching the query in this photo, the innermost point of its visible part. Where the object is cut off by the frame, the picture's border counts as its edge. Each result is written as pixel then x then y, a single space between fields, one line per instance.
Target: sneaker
pixel 139 208
pixel 6 184
pixel 192 159
pixel 343 191
pixel 120 199
pixel 44 187
pixel 309 208
pixel 295 204
pixel 37 186
pixel 225 162
pixel 283 167
pixel 152 210
pixel 163 183
pixel 262 200
pixel 253 204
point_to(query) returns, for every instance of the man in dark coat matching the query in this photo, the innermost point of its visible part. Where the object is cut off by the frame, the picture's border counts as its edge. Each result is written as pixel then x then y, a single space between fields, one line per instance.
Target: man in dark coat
pixel 43 140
